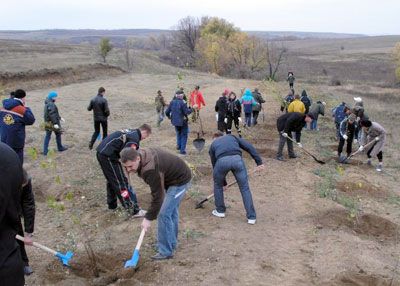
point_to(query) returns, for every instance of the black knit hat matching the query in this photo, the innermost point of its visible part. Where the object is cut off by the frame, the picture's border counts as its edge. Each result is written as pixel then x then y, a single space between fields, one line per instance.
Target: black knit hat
pixel 19 93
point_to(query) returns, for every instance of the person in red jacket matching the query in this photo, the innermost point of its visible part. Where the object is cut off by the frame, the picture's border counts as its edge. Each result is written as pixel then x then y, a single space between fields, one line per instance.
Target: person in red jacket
pixel 196 102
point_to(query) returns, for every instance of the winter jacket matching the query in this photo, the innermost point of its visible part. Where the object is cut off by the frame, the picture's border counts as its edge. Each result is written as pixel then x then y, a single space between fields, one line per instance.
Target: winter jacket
pixel 291 122
pixel 285 102
pixel 234 108
pixel 376 130
pixel 338 112
pixel 160 103
pixel 178 111
pixel 10 196
pixel 28 207
pixel 248 101
pixel 296 106
pixel 113 144
pixel 99 105
pixel 196 98
pixel 51 112
pixel 13 119
pixel 306 100
pixel 229 145
pixel 346 128
pixel 316 109
pixel 221 106
pixel 161 170
pixel 259 99
pixel 291 79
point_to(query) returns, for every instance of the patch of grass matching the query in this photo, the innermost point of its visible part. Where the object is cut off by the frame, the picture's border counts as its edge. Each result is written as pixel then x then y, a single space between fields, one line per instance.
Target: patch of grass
pixel 53 204
pixel 192 234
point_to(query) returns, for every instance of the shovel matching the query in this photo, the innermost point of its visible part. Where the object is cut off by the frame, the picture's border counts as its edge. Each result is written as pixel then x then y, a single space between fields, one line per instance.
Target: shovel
pixel 307 152
pixel 199 142
pixel 344 159
pixel 131 263
pixel 64 258
pixel 200 204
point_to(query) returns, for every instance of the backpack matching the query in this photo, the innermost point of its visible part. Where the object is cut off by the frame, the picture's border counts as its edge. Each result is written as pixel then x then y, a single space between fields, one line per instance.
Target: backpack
pixel 339 113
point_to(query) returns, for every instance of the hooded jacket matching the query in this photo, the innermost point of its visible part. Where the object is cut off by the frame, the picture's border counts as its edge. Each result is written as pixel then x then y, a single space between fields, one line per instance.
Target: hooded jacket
pixel 161 170
pixel 248 101
pixel 178 111
pixel 10 196
pixel 221 106
pixel 51 112
pixel 196 97
pixel 306 100
pixel 234 108
pixel 13 118
pixel 296 106
pixel 316 109
pixel 113 144
pixel 291 122
pixel 99 105
pixel 259 99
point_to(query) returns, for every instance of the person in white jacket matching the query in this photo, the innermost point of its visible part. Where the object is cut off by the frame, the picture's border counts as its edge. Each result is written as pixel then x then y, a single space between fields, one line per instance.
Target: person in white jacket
pixel 372 131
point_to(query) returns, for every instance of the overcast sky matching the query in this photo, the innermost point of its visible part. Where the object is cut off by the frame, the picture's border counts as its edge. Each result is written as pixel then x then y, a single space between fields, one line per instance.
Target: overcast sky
pixel 342 16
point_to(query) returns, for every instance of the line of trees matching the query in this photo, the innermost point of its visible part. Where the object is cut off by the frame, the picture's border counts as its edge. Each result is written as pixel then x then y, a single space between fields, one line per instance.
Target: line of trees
pixel 215 45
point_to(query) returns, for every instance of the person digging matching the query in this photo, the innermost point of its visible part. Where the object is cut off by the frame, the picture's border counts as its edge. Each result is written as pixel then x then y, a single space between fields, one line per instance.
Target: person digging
pixel 226 155
pixel 373 131
pixel 169 178
pixel 347 131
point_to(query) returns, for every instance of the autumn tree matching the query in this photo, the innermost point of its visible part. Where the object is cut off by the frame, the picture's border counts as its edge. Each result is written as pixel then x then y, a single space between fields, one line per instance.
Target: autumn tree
pixel 105 48
pixel 275 56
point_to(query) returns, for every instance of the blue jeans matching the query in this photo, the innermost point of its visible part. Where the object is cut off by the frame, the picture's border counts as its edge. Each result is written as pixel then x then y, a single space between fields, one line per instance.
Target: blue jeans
pixel 168 220
pixel 181 137
pixel 247 119
pixel 314 125
pixel 47 141
pixel 236 165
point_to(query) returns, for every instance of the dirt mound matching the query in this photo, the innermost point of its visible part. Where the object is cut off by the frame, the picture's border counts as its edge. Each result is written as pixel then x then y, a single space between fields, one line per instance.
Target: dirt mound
pixel 362 279
pixel 361 187
pixel 34 79
pixel 369 225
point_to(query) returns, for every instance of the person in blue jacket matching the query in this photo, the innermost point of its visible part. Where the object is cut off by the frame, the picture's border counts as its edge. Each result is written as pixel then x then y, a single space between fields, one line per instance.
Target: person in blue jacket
pixel 14 116
pixel 178 111
pixel 248 102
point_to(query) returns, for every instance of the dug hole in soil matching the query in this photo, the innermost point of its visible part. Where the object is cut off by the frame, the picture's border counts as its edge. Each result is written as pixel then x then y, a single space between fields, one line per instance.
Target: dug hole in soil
pixel 361 187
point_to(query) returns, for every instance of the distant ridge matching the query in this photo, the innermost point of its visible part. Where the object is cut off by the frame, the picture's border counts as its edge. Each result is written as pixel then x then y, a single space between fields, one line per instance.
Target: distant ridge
pixel 302 35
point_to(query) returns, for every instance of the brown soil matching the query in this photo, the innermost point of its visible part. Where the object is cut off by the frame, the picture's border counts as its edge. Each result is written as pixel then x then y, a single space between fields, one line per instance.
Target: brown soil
pixel 266 152
pixel 361 188
pixel 367 225
pixel 362 279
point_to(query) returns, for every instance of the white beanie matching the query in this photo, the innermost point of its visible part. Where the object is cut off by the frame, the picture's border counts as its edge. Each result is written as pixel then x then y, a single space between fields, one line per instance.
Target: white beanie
pixel 357 99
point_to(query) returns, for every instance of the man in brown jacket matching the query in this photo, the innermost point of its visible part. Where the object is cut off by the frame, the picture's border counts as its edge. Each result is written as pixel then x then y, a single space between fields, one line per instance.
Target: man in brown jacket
pixel 168 177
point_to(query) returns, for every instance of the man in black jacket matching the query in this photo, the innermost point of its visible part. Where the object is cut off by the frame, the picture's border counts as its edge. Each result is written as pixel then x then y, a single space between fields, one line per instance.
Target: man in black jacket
pixel 11 264
pixel 233 114
pixel 286 124
pixel 226 155
pixel 108 157
pixel 221 107
pixel 99 105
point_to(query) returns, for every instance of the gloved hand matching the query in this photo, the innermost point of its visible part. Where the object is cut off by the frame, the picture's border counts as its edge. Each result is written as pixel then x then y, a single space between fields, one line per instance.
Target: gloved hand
pixel 226 120
pixel 62 120
pixel 361 148
pixel 216 116
pixel 345 137
pixel 284 134
pixel 377 138
pixel 300 145
pixel 240 119
pixel 355 141
pixel 56 126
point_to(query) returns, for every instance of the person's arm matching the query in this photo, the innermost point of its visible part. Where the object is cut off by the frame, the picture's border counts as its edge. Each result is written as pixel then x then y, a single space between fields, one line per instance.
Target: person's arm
pixel 28 207
pixel 29 118
pixel 261 99
pixel 168 111
pixel 153 179
pixel 90 107
pixel 186 110
pixel 211 152
pixel 322 109
pixel 106 109
pixel 216 106
pixel 343 127
pixel 201 99
pixel 251 150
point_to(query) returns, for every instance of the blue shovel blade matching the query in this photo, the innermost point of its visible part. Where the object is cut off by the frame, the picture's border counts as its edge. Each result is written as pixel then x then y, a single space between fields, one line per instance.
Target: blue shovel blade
pixel 134 260
pixel 65 258
pixel 98 138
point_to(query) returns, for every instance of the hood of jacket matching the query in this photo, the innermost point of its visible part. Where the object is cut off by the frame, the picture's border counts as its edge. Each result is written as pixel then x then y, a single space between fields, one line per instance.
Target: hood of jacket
pixel 247 95
pixel 10 103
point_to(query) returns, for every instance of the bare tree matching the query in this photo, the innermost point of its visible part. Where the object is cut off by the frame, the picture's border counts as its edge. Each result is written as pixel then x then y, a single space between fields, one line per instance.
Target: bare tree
pixel 129 51
pixel 275 57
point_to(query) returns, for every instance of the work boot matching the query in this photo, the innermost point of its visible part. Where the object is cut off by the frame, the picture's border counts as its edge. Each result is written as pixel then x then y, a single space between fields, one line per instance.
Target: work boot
pixel 28 270
pixel 62 149
pixel 293 156
pixel 159 256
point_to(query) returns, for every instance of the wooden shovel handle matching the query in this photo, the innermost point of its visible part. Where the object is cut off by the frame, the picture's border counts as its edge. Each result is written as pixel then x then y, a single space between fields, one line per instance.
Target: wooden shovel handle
pixel 140 240
pixel 38 245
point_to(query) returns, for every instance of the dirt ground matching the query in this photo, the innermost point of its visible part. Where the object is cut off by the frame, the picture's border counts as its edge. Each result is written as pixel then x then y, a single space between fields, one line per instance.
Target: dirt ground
pixel 316 224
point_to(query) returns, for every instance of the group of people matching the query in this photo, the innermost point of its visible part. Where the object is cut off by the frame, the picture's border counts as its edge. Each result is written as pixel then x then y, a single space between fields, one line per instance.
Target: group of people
pixel 168 176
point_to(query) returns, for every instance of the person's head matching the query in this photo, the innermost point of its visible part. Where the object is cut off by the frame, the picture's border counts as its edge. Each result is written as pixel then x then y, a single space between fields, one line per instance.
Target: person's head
pixel 19 93
pixel 297 96
pixel 130 159
pixel 159 92
pixel 309 117
pixel 256 90
pixel 232 95
pixel 52 95
pixel 365 124
pixel 102 90
pixel 226 92
pixel 218 134
pixel 352 118
pixel 347 110
pixel 12 94
pixel 145 130
pixel 247 92
pixel 197 87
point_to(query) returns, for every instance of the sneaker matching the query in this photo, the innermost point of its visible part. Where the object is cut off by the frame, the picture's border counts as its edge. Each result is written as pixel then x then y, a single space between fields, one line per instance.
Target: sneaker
pixel 182 152
pixel 159 256
pixel 140 213
pixel 28 270
pixel 279 158
pixel 251 221
pixel 379 168
pixel 217 214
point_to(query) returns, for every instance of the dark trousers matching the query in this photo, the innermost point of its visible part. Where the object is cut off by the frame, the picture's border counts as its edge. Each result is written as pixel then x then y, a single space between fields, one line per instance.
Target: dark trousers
pixel 181 137
pixel 349 144
pixel 47 141
pixel 97 130
pixel 117 183
pixel 12 271
pixel 21 244
pixel 255 117
pixel 379 155
pixel 221 124
pixel 247 119
pixel 235 120
pixel 282 141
